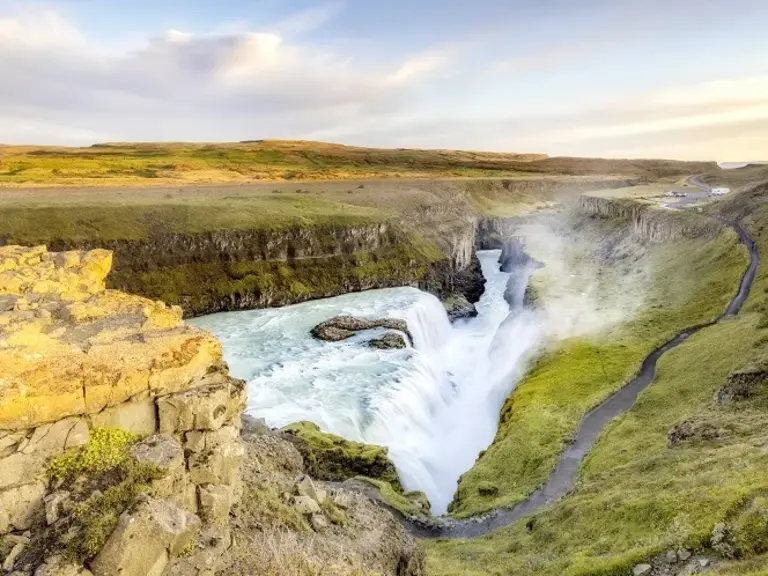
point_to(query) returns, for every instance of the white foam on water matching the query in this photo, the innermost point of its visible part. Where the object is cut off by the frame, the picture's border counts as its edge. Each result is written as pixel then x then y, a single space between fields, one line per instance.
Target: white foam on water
pixel 435 405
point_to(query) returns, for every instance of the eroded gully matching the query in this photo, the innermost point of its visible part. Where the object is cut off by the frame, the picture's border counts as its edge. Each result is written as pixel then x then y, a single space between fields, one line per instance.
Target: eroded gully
pixel 562 480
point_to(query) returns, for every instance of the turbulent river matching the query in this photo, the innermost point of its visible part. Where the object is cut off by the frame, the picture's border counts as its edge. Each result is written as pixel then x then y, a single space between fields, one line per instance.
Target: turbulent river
pixel 435 405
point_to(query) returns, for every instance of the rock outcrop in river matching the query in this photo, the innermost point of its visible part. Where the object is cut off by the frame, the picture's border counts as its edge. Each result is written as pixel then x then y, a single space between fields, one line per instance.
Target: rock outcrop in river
pixel 343 327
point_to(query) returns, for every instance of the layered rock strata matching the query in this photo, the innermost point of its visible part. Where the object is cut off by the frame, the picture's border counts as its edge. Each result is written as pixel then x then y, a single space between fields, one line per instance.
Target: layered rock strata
pixel 76 359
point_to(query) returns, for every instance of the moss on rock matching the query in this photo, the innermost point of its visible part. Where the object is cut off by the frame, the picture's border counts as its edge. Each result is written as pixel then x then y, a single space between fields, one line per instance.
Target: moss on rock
pixel 333 458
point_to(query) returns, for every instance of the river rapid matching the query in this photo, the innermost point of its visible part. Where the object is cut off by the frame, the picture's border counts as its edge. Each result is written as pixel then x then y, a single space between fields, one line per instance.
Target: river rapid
pixel 435 405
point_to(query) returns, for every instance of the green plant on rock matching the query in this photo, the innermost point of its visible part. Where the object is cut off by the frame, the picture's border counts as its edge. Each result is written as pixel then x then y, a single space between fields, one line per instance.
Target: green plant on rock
pixel 106 450
pixel 104 481
pixel 749 531
pixel 92 521
pixel 333 512
pixel 262 507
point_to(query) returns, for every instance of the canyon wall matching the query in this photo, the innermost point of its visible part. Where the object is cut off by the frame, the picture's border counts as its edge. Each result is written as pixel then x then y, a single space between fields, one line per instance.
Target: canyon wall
pixel 650 223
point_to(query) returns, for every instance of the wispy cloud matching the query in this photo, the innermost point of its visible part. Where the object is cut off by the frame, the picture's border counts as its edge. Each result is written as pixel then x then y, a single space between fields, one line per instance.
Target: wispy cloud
pixel 186 86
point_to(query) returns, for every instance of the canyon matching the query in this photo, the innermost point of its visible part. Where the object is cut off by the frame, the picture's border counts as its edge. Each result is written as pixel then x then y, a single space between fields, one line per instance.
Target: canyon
pixel 132 442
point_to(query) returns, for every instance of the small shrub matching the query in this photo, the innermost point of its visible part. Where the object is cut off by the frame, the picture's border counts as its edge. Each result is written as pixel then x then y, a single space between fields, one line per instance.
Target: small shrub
pixel 106 450
pixel 92 521
pixel 487 489
pixel 263 508
pixel 333 512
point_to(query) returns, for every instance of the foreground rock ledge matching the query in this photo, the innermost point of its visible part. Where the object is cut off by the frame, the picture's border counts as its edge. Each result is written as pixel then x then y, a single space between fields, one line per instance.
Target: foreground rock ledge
pixel 76 358
pixel 90 376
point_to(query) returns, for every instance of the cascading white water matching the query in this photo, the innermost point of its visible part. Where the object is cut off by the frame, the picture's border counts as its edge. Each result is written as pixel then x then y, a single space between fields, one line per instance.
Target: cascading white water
pixel 435 405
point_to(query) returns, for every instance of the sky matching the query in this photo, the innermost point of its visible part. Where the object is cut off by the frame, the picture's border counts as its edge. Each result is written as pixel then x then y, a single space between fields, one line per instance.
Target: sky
pixel 684 79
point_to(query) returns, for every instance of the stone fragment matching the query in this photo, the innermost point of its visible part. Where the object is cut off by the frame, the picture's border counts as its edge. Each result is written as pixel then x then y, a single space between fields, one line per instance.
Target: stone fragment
pixel 160 450
pixel 59 566
pixel 215 502
pixel 19 505
pixel 344 500
pixel 54 504
pixel 305 487
pixel 671 557
pixel 205 408
pixel 15 552
pixel 136 416
pixel 305 505
pixel 683 554
pixel 146 538
pixel 704 562
pixel 252 426
pixel 217 466
pixel 319 522
pixel 642 570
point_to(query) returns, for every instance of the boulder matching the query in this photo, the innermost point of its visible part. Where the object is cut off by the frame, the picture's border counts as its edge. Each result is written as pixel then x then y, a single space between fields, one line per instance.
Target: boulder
pixel 16 550
pixel 319 522
pixel 458 307
pixel 215 501
pixel 642 570
pixel 20 505
pixel 305 505
pixel 146 538
pixel 165 453
pixel 252 426
pixel 390 341
pixel 29 460
pixel 54 505
pixel 59 566
pixel 219 465
pixel 207 557
pixel 689 430
pixel 744 383
pixel 204 408
pixel 305 487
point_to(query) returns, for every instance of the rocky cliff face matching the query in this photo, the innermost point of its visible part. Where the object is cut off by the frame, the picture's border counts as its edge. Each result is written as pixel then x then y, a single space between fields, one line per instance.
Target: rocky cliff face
pixel 650 223
pixel 77 360
pixel 120 443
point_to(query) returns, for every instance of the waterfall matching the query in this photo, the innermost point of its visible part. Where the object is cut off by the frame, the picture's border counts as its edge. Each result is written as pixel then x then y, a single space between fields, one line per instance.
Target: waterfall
pixel 435 405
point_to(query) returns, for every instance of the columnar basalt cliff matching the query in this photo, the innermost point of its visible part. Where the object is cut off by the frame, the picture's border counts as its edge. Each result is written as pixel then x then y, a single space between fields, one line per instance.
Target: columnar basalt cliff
pixel 650 223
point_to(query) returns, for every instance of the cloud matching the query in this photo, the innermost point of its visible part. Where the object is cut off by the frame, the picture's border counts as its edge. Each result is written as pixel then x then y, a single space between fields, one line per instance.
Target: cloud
pixel 187 86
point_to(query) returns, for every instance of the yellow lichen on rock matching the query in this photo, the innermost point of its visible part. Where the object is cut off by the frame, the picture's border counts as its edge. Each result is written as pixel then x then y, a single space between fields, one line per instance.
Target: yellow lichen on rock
pixel 68 346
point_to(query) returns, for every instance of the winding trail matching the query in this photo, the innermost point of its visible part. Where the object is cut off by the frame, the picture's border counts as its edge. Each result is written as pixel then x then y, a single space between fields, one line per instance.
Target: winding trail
pixel 562 480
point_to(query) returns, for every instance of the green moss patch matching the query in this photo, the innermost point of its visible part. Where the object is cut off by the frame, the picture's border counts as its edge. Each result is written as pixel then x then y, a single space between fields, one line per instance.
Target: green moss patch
pixel 333 458
pixel 409 503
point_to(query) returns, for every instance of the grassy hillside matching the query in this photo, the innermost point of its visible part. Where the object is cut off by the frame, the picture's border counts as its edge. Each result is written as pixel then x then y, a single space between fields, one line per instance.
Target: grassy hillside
pixel 276 160
pixel 637 495
pixel 692 283
pixel 209 248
